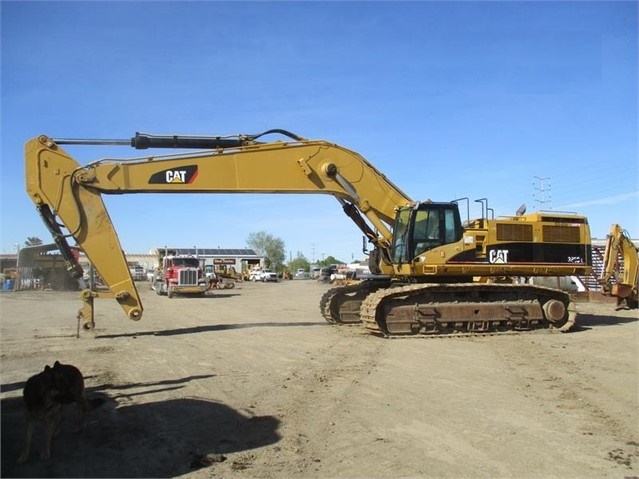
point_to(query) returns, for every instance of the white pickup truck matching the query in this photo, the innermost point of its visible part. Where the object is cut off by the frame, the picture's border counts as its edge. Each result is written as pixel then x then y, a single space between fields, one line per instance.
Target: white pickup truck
pixel 267 275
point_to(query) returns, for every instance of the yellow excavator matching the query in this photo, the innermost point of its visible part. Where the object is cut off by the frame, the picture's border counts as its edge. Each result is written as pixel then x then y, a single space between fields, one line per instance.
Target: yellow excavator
pixel 620 274
pixel 435 274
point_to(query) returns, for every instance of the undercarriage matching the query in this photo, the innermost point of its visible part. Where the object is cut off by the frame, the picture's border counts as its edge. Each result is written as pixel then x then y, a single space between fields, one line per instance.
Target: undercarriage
pixel 448 309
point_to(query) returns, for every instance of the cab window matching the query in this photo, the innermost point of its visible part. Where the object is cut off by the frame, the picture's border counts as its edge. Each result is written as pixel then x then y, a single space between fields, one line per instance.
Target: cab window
pixel 433 228
pixel 400 236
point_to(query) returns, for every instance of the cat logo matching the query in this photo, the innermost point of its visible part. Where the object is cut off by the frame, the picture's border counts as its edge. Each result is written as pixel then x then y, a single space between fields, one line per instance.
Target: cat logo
pixel 175 176
pixel 499 256
pixel 184 175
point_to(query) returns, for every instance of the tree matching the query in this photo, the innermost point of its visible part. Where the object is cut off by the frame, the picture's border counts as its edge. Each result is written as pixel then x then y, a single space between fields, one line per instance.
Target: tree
pixel 270 247
pixel 328 261
pixel 300 262
pixel 33 241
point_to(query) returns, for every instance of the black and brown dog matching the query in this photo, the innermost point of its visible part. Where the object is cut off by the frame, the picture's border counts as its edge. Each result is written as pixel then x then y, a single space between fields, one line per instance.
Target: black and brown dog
pixel 44 395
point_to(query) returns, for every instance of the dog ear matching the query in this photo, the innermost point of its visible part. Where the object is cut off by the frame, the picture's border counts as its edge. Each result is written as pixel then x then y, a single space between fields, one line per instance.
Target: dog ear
pixel 56 364
pixel 47 367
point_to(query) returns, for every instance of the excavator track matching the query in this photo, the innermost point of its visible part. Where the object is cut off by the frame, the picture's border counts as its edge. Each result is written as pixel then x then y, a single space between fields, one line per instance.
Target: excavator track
pixel 462 309
pixel 341 305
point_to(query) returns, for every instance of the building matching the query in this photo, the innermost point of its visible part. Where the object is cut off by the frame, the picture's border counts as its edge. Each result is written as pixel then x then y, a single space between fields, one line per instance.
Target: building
pixel 42 267
pixel 8 260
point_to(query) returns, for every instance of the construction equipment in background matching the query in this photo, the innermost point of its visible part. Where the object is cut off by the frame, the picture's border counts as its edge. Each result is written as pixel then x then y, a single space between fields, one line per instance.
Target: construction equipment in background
pixel 43 267
pixel 178 274
pixel 9 277
pixel 138 272
pixel 220 276
pixel 222 267
pixel 620 274
pixel 424 259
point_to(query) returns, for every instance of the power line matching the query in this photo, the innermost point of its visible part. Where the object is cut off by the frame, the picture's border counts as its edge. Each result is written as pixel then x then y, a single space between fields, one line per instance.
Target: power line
pixel 541 193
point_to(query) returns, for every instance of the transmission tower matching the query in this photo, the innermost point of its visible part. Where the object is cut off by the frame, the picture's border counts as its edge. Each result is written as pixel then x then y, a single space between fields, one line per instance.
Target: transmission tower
pixel 541 193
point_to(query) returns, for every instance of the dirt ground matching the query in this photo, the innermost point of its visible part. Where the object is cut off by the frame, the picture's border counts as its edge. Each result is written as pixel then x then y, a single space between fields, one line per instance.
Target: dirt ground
pixel 252 382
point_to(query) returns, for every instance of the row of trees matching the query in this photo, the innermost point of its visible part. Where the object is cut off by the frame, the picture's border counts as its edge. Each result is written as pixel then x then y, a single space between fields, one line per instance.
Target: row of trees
pixel 301 262
pixel 272 248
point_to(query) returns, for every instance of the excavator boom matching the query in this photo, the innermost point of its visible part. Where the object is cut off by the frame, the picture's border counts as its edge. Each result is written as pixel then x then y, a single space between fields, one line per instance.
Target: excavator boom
pixel 60 187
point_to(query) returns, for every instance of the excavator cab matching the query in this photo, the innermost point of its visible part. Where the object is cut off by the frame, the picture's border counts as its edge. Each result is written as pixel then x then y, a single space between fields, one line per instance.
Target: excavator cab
pixel 423 227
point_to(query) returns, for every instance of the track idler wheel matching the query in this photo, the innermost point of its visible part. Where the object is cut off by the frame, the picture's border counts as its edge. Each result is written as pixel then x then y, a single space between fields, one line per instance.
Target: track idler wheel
pixel 554 311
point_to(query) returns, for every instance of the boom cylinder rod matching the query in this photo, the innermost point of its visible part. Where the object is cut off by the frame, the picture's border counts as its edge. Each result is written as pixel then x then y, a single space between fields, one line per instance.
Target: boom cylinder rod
pixel 79 141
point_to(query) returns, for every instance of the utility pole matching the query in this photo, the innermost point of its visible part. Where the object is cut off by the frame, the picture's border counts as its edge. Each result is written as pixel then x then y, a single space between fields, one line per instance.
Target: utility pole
pixel 541 193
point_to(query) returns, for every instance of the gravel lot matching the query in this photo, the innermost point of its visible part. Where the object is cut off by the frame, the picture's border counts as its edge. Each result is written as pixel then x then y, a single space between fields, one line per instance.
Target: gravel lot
pixel 251 382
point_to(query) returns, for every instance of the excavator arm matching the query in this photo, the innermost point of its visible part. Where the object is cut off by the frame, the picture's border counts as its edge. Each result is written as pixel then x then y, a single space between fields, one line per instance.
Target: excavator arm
pixel 626 279
pixel 71 193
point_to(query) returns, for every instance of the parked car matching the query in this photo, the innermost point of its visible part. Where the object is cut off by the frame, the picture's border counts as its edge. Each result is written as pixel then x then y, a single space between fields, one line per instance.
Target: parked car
pixel 268 275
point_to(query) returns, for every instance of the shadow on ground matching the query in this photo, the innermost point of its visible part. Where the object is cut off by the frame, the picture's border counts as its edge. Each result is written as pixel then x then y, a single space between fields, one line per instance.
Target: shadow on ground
pixel 211 328
pixel 155 439
pixel 588 321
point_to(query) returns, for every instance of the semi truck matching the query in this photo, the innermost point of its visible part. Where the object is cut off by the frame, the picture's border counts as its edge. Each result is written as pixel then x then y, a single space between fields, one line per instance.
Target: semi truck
pixel 179 274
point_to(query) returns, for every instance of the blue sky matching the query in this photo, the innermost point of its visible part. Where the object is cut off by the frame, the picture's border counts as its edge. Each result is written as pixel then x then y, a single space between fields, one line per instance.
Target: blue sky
pixel 448 99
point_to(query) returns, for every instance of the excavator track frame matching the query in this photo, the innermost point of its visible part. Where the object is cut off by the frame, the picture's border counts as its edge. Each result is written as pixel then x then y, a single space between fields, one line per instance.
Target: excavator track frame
pixel 342 304
pixel 463 309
